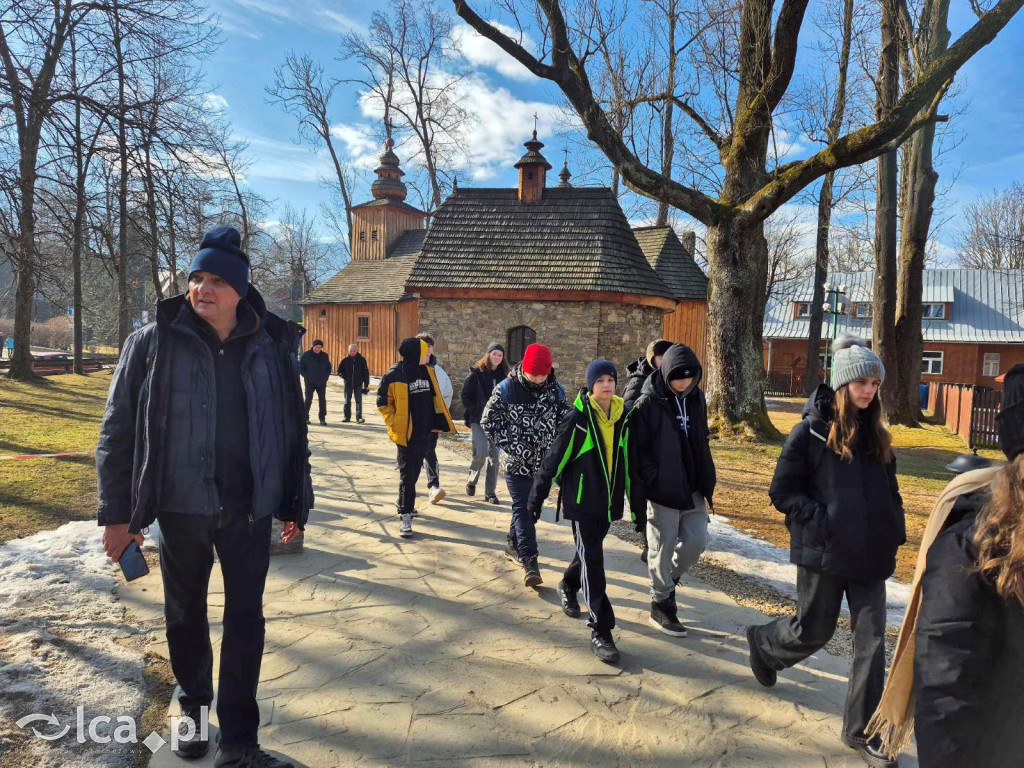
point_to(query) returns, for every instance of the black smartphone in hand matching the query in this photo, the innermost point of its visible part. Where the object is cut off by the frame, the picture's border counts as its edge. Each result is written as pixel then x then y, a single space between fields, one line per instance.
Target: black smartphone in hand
pixel 132 562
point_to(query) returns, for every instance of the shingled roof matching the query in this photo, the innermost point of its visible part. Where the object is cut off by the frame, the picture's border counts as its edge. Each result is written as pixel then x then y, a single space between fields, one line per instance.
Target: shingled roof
pixel 575 239
pixel 673 263
pixel 373 281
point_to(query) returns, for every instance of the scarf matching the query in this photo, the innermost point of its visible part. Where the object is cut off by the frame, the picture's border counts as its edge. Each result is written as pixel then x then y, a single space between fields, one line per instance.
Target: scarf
pixel 893 721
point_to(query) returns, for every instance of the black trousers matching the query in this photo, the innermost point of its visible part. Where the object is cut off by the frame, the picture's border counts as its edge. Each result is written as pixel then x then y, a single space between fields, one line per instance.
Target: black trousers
pixel 430 462
pixel 788 641
pixel 410 462
pixel 587 570
pixel 187 544
pixel 351 392
pixel 321 392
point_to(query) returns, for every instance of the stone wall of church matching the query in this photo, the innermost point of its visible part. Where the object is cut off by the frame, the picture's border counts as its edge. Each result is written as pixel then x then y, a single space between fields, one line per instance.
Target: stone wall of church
pixel 576 331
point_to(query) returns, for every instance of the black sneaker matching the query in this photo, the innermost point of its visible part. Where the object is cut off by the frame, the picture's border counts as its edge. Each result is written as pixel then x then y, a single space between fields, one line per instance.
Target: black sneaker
pixel 570 605
pixel 871 752
pixel 643 555
pixel 323 422
pixel 531 572
pixel 491 499
pixel 197 746
pixel 345 421
pixel 604 647
pixel 663 618
pixel 470 489
pixel 247 757
pixel 765 675
pixel 511 551
pixel 360 421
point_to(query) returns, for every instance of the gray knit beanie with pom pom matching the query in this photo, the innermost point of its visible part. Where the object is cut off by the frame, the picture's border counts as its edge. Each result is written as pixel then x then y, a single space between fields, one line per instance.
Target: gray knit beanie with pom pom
pixel 851 360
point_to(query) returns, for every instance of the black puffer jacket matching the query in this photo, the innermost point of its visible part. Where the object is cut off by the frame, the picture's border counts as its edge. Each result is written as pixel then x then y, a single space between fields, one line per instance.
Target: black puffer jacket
pixel 477 390
pixel 578 462
pixel 843 518
pixel 660 471
pixel 639 371
pixel 315 369
pixel 521 418
pixel 968 662
pixel 354 371
pixel 157 440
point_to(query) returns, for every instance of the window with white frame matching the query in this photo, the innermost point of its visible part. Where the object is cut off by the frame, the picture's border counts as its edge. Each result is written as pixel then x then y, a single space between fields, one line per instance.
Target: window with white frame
pixel 931 363
pixel 990 365
pixel 803 309
pixel 933 311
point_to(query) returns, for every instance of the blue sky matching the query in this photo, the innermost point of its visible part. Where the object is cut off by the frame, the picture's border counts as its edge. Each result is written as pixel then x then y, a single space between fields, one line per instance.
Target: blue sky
pixel 257 35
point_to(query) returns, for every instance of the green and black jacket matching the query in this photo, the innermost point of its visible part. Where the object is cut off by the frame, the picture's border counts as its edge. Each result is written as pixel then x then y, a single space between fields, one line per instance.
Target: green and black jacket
pixel 577 462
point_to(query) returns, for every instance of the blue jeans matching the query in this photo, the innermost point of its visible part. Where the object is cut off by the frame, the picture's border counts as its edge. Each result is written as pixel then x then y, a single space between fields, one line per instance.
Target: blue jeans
pixel 523 530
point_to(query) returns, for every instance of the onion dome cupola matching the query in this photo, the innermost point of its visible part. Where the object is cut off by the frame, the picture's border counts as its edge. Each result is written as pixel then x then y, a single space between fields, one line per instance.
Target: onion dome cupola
pixel 389 184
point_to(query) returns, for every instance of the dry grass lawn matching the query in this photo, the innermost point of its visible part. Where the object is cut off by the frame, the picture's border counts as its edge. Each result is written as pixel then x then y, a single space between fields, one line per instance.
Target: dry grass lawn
pixel 745 472
pixel 56 415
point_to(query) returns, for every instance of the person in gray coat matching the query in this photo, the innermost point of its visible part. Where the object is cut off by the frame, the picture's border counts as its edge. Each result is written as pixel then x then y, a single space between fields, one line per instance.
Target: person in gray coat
pixel 205 432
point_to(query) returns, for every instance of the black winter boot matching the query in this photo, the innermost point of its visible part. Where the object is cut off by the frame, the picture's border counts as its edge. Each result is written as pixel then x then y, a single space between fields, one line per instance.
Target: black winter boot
pixel 511 551
pixel 765 675
pixel 247 757
pixel 532 572
pixel 197 746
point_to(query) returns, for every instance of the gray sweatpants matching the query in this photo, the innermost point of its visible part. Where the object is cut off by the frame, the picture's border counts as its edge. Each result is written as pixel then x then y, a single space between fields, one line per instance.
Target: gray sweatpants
pixel 485 457
pixel 675 539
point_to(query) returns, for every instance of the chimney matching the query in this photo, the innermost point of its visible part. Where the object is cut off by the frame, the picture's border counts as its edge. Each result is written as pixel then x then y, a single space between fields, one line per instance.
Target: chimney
pixel 533 168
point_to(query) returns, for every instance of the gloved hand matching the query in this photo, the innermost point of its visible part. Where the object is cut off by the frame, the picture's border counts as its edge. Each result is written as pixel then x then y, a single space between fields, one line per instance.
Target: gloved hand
pixel 535 511
pixel 366 390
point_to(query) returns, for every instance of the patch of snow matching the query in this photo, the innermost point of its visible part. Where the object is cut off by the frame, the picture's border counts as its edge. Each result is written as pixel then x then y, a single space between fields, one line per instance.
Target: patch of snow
pixel 770 565
pixel 60 624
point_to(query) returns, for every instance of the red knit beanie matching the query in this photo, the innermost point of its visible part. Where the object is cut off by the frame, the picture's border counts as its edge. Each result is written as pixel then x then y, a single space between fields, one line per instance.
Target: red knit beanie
pixel 537 360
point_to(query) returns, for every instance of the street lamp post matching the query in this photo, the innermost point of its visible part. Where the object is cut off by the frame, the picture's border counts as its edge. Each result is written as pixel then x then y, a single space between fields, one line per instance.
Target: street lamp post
pixel 833 308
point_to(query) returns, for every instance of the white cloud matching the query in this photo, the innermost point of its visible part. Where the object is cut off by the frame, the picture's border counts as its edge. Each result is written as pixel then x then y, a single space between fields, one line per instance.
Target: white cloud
pixel 360 146
pixel 214 102
pixel 481 52
pixel 339 22
pixel 286 161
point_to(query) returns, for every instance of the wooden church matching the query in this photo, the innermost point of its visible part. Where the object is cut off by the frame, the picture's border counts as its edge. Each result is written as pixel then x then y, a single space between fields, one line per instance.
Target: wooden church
pixel 558 265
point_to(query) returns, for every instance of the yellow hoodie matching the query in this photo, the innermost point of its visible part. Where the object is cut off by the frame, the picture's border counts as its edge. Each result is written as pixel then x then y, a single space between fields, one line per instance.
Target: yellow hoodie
pixel 606 425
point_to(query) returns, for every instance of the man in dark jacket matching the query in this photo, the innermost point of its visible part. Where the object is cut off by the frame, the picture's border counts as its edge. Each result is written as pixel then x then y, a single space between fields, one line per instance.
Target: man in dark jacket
pixel 670 458
pixel 521 418
pixel 641 369
pixel 356 374
pixel 315 369
pixel 203 431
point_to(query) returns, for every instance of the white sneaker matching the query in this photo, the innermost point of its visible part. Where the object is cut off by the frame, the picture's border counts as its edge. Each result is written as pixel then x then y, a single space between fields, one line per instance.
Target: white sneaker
pixel 405 527
pixel 436 494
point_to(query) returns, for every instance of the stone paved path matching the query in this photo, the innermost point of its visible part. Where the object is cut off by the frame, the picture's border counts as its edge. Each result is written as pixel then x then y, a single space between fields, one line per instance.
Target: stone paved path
pixel 430 652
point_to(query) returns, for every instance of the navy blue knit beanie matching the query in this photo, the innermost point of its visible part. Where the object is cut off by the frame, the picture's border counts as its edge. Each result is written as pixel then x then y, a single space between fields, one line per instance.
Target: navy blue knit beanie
pixel 599 368
pixel 221 254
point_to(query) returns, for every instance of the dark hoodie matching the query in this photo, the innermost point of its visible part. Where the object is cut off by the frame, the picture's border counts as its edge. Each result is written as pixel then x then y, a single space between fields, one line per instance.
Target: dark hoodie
pixel 670 453
pixel 639 371
pixel 844 518
pixel 421 391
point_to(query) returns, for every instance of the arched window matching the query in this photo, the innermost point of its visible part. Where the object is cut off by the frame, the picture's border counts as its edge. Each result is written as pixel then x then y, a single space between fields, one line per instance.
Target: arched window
pixel 519 338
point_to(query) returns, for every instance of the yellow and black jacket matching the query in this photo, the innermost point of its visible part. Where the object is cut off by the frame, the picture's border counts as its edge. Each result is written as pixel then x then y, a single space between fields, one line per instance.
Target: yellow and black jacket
pixel 579 462
pixel 393 396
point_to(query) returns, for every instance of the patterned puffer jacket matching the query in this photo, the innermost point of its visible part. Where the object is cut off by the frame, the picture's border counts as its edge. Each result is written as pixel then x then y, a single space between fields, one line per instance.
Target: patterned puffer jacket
pixel 521 418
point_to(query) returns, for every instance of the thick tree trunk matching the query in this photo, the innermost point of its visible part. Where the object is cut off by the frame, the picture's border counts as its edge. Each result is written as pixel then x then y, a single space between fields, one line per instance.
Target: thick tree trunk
pixel 734 372
pixel 124 320
pixel 884 308
pixel 25 265
pixel 918 201
pixel 76 267
pixel 812 380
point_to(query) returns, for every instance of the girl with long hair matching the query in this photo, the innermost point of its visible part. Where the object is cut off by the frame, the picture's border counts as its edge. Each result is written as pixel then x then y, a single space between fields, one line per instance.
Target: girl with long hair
pixel 836 484
pixel 488 372
pixel 968 673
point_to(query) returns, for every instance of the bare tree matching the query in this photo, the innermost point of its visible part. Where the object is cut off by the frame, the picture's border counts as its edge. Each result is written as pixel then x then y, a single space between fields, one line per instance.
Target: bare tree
pixel 750 190
pixel 299 88
pixel 788 256
pixel 993 233
pixel 410 72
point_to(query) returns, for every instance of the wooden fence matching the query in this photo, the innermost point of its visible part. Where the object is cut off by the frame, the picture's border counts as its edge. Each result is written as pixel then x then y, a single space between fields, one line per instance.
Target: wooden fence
pixel 967 410
pixel 56 364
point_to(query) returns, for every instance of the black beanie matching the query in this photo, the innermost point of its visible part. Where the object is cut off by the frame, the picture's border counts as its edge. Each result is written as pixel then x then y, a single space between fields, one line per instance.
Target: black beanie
pixel 599 368
pixel 1010 420
pixel 221 254
pixel 495 346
